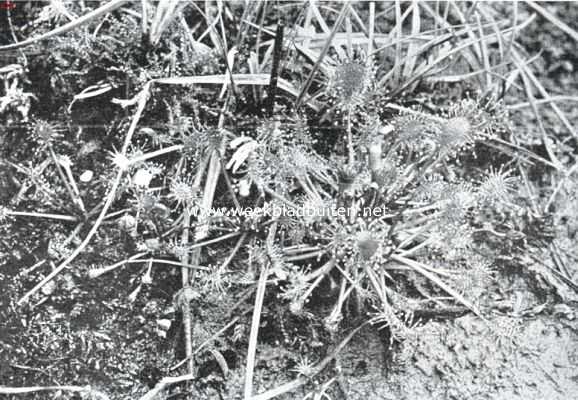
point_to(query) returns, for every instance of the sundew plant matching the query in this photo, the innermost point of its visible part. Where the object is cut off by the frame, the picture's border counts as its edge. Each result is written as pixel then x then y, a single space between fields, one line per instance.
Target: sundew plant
pixel 303 168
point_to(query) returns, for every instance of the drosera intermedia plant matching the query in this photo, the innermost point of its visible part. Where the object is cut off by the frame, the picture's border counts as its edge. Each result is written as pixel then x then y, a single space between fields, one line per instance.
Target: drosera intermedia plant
pixel 384 217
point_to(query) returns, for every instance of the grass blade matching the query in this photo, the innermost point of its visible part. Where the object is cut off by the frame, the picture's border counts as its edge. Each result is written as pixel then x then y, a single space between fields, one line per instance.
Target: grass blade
pixel 340 18
pixel 416 266
pixel 415 30
pixel 553 19
pixel 530 75
pixel 259 297
pixel 109 7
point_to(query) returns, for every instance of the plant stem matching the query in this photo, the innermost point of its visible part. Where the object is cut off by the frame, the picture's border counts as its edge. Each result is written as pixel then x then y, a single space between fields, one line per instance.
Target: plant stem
pixel 74 187
pixel 229 185
pixel 255 323
pixel 208 341
pixel 215 240
pixel 63 178
pixel 235 250
pixel 277 52
pixel 156 153
pixel 350 140
pixel 42 215
pixel 305 256
pixel 95 273
pixel 186 307
pixel 280 198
